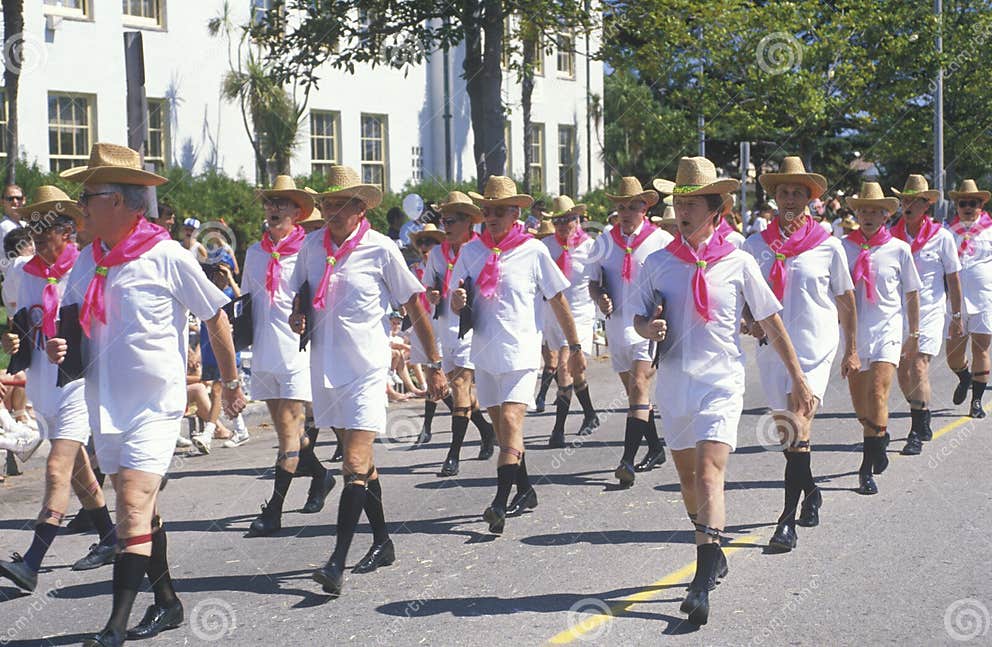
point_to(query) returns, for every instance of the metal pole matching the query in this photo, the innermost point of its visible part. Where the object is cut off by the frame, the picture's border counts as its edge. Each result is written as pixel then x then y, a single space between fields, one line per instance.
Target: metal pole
pixel 447 110
pixel 745 163
pixel 939 173
pixel 137 105
pixel 588 107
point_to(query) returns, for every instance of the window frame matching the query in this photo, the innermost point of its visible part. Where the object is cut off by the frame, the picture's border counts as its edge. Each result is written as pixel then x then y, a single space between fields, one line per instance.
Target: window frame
pixel 335 117
pixel 537 138
pixel 85 13
pixel 571 166
pixel 384 139
pixel 569 54
pixel 81 158
pixel 141 22
pixel 166 140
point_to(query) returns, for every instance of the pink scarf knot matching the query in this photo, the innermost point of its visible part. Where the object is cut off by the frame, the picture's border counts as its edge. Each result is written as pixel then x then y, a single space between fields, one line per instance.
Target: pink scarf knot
pixel 52 274
pixel 803 239
pixel 711 252
pixel 488 279
pixel 564 259
pixel 627 269
pixel 285 247
pixel 968 232
pixel 862 265
pixel 335 257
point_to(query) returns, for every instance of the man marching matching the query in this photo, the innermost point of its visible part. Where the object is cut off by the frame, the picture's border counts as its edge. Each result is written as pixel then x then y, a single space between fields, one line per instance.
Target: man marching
pixel 280 371
pixel 936 256
pixel 807 270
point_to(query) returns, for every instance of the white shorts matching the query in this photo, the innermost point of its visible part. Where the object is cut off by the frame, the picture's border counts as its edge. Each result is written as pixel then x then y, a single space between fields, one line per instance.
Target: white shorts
pixel 889 351
pixel 777 383
pixel 933 329
pixel 555 338
pixel 717 415
pixel 979 323
pixel 623 356
pixel 289 386
pixel 149 448
pixel 71 423
pixel 458 357
pixel 360 404
pixel 494 389
pixel 417 353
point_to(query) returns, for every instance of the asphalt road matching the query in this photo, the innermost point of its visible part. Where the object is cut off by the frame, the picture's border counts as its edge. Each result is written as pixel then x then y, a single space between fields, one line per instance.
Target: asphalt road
pixel 591 565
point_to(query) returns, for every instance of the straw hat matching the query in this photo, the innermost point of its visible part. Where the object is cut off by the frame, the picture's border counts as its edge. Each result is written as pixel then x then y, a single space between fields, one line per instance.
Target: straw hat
pixel 430 230
pixel 631 189
pixel 544 230
pixel 47 199
pixel 792 171
pixel 343 182
pixel 458 202
pixel 917 187
pixel 871 196
pixel 969 189
pixel 113 164
pixel 565 206
pixel 285 187
pixel 696 176
pixel 849 223
pixel 501 191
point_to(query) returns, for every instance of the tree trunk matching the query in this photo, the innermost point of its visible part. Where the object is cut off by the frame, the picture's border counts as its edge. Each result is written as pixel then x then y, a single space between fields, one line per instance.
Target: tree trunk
pixel 13 30
pixel 529 42
pixel 483 25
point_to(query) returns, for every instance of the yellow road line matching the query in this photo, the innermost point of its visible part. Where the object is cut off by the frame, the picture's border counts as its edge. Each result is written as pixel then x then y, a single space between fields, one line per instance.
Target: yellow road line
pixel 954 425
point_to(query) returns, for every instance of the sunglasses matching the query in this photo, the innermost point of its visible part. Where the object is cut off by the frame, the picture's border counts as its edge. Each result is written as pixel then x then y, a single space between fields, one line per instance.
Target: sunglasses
pixel 564 220
pixel 277 204
pixel 427 242
pixel 968 203
pixel 84 198
pixel 447 222
pixel 14 198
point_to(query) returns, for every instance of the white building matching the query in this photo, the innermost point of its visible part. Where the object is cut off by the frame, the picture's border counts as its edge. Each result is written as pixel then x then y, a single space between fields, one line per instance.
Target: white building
pixel 385 122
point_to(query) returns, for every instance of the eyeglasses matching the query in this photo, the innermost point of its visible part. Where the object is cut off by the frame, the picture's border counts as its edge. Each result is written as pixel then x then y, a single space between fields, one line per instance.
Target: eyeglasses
pixel 447 222
pixel 84 198
pixel 968 203
pixel 428 242
pixel 277 204
pixel 564 220
pixel 13 198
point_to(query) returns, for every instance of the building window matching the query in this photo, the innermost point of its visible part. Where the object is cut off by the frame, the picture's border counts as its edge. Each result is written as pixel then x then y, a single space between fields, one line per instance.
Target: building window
pixel 70 130
pixel 68 8
pixel 157 144
pixel 3 124
pixel 143 12
pixel 417 163
pixel 566 160
pixel 566 56
pixel 324 140
pixel 537 157
pixel 537 50
pixel 374 163
pixel 508 142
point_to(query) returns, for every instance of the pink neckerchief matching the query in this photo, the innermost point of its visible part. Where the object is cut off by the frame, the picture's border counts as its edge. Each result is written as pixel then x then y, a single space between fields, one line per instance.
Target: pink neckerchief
pixel 450 258
pixel 564 259
pixel 802 239
pixel 928 229
pixel 712 252
pixel 725 228
pixel 627 269
pixel 488 279
pixel 51 273
pixel 862 266
pixel 967 232
pixel 419 272
pixel 142 237
pixel 285 247
pixel 333 258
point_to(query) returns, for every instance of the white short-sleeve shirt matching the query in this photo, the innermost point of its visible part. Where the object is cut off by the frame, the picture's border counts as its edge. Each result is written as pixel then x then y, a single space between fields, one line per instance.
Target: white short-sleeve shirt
pixel 275 347
pixel 350 336
pixel 976 273
pixel 137 361
pixel 11 282
pixel 507 327
pixel 446 325
pixel 577 294
pixel 936 259
pixel 735 238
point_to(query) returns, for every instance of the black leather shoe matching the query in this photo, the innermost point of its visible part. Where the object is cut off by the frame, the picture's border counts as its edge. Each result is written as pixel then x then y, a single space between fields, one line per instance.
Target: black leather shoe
pixel 488 446
pixel 867 484
pixel 697 606
pixel 156 620
pixel 449 468
pixel 106 638
pixel 98 556
pixel 809 513
pixel 495 516
pixel 977 410
pixel 589 425
pixel 319 489
pixel 652 459
pixel 80 523
pixel 914 445
pixel 338 454
pixel 265 524
pixel 382 554
pixel 539 404
pixel 784 539
pixel 961 390
pixel 425 436
pixel 19 573
pixel 557 440
pixel 722 570
pixel 881 457
pixel 625 474
pixel 521 502
pixel 330 576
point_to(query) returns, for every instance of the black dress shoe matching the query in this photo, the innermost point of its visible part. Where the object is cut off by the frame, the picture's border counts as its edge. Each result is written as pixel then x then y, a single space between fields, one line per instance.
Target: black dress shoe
pixel 156 620
pixel 382 554
pixel 319 489
pixel 625 474
pixel 539 404
pixel 652 459
pixel 425 436
pixel 330 576
pixel 80 523
pixel 99 555
pixel 557 440
pixel 697 606
pixel 589 425
pixel 961 390
pixel 914 445
pixel 521 502
pixel 809 513
pixel 784 539
pixel 265 524
pixel 495 516
pixel 450 467
pixel 106 638
pixel 866 484
pixel 19 573
pixel 722 570
pixel 977 410
pixel 488 446
pixel 338 454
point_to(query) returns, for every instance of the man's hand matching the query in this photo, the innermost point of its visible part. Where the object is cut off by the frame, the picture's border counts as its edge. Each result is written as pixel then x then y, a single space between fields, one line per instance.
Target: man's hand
pixel 10 342
pixel 233 401
pixel 956 330
pixel 437 384
pixel 850 365
pixel 755 330
pixel 433 296
pixel 910 348
pixel 458 299
pixel 605 305
pixel 56 349
pixel 298 322
pixel 803 398
pixel 576 363
pixel 658 327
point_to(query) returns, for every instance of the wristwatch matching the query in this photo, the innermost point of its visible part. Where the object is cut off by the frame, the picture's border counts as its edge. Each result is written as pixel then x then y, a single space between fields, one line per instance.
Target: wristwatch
pixel 233 385
pixel 575 348
pixel 955 315
pixel 433 365
pixel 915 334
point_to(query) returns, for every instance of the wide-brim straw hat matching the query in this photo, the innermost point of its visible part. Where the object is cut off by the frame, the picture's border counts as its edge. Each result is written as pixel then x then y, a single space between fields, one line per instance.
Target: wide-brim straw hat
pixel 49 199
pixel 631 189
pixel 565 206
pixel 793 171
pixel 917 187
pixel 458 202
pixel 501 191
pixel 871 195
pixel 430 230
pixel 849 223
pixel 316 215
pixel 969 189
pixel 344 182
pixel 113 164
pixel 696 176
pixel 544 230
pixel 285 187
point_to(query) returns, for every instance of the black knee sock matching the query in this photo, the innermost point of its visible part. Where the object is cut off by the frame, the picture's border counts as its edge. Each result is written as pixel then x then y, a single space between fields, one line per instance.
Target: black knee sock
pixel 867 455
pixel 44 535
pixel 100 476
pixel 129 571
pixel 651 432
pixel 484 426
pixel 448 402
pixel 311 432
pixel 352 503
pixel 707 556
pixel 795 474
pixel 964 375
pixel 279 490
pixel 582 395
pixel 632 438
pixel 809 485
pixel 104 525
pixel 430 408
pixel 506 475
pixel 546 378
pixel 562 404
pixel 374 511
pixel 158 569
pixel 977 390
pixel 311 466
pixel 459 425
pixel 523 481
